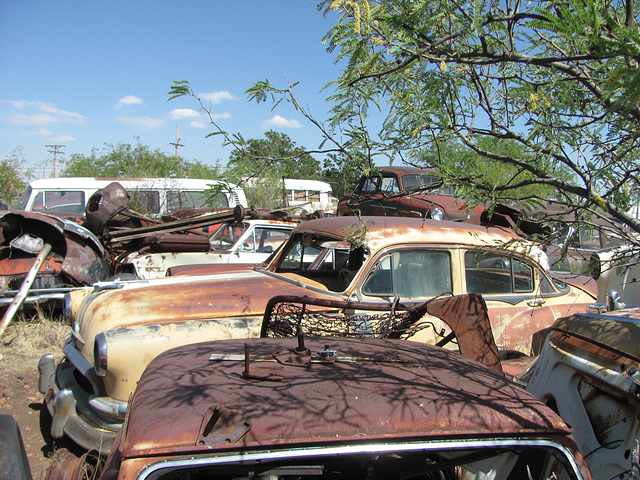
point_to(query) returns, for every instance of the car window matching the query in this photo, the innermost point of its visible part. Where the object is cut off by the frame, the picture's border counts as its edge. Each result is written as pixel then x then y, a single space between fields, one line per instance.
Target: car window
pixel 370 185
pixel 411 273
pixel 227 235
pixel 269 239
pixel 72 201
pixel 177 200
pixel 390 185
pixel 494 273
pixel 145 201
pixel 299 257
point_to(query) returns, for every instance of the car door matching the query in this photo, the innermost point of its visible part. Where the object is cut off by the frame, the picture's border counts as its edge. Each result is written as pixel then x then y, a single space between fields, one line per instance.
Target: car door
pixel 516 294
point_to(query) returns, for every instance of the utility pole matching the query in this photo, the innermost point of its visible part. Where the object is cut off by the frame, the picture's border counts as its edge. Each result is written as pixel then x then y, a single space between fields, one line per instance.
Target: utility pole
pixel 177 144
pixel 55 155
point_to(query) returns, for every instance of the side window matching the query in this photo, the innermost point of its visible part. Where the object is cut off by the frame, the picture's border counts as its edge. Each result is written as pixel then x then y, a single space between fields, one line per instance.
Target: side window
pixel 370 185
pixel 145 202
pixel 38 201
pixel 390 185
pixel 191 199
pixel 71 201
pixel 493 273
pixel 410 274
pixel 269 239
pixel 249 243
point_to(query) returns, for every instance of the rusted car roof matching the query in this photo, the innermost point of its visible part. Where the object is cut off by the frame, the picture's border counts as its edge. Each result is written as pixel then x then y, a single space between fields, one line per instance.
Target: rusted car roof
pixel 381 231
pixel 400 390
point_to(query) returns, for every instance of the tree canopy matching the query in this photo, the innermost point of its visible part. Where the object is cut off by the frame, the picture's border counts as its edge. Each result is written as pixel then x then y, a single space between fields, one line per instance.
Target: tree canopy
pixel 557 78
pixel 125 160
pixel 12 176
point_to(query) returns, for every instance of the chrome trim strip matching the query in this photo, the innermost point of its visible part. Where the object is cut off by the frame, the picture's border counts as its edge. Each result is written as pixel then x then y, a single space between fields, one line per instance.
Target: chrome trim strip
pixel 294 453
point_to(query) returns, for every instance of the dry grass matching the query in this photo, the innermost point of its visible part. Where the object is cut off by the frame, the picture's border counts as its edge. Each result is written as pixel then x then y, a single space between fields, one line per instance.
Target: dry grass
pixel 33 333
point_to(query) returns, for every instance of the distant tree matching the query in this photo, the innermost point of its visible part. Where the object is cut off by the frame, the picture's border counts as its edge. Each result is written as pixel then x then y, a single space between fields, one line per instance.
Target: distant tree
pixel 13 176
pixel 341 173
pixel 124 160
pixel 275 156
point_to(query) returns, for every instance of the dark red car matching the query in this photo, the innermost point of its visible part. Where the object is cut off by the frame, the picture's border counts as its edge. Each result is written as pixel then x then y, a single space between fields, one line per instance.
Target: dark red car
pixel 406 192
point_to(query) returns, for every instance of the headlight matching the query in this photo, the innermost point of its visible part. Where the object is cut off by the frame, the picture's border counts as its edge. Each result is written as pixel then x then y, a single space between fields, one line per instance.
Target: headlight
pixel 437 213
pixel 594 268
pixel 100 355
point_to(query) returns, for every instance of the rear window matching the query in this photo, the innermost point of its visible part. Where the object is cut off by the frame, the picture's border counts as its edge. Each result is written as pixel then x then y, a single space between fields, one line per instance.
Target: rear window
pixel 488 273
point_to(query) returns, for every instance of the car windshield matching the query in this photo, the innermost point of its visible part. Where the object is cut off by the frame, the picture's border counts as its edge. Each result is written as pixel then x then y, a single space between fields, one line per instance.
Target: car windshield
pixel 327 260
pixel 227 235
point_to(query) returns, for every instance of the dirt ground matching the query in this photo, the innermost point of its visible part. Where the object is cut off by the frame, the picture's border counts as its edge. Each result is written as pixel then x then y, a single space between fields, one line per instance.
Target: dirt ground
pixel 19 394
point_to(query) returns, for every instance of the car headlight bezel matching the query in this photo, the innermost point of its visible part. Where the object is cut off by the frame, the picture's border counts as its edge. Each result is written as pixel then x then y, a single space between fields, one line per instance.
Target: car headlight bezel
pixel 437 213
pixel 100 362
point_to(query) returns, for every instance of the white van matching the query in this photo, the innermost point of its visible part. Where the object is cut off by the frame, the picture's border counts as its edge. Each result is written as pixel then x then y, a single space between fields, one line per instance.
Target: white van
pixel 152 196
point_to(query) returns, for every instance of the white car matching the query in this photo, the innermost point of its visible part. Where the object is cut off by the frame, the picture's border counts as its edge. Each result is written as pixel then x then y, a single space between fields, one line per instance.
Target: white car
pixel 248 241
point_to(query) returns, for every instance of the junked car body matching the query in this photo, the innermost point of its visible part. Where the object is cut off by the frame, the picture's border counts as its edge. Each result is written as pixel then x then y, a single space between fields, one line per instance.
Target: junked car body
pixel 118 329
pixel 617 273
pixel 247 241
pixel 588 373
pixel 361 408
pixel 405 192
pixel 76 257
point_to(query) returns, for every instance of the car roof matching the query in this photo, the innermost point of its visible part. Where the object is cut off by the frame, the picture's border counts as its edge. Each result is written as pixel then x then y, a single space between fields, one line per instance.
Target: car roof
pixel 396 390
pixel 383 231
pixel 402 170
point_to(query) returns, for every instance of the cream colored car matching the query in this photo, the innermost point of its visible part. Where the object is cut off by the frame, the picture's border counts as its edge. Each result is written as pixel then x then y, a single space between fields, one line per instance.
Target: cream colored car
pixel 118 329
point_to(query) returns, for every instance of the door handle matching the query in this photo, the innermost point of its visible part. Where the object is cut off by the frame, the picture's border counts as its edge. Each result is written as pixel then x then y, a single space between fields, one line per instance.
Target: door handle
pixel 536 303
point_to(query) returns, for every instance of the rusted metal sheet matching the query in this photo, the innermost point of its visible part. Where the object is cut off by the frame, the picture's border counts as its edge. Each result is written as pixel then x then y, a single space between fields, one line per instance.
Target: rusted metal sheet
pixel 589 370
pixel 76 252
pixel 435 393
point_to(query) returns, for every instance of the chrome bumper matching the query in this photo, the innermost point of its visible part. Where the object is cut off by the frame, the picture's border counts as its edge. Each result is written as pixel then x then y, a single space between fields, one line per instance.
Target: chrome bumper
pixel 90 421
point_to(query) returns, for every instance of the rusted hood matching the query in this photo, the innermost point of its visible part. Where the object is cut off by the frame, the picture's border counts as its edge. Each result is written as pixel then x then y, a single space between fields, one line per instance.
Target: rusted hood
pixel 238 293
pixel 400 389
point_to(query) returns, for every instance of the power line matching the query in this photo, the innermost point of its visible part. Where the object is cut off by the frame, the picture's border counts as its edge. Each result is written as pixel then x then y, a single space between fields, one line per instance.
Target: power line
pixel 55 155
pixel 177 143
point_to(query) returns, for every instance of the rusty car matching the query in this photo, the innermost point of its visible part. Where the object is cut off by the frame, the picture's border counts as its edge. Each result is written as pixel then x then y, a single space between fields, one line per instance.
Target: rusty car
pixel 47 255
pixel 245 241
pixel 119 327
pixel 339 407
pixel 405 192
pixel 588 372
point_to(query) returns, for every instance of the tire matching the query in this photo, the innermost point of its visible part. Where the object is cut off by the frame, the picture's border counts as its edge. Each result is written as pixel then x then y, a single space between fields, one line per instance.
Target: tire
pixel 13 457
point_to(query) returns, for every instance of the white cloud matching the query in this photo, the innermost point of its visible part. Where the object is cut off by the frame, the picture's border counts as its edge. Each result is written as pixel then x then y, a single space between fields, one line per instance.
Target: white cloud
pixel 278 121
pixel 195 124
pixel 43 132
pixel 143 122
pixel 216 97
pixel 40 113
pixel 129 100
pixel 180 113
pixel 218 116
pixel 63 138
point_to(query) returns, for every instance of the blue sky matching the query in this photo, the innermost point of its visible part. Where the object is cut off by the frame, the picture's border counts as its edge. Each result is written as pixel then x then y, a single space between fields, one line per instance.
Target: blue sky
pixel 88 73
